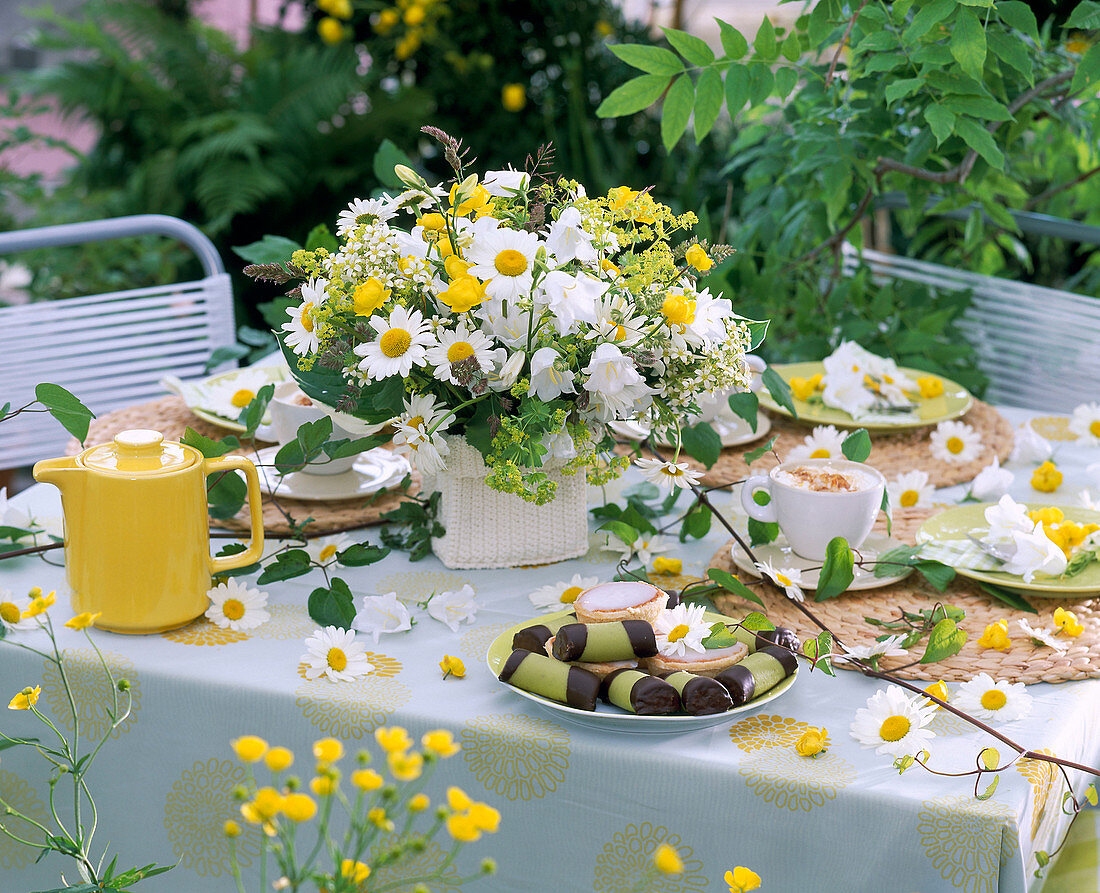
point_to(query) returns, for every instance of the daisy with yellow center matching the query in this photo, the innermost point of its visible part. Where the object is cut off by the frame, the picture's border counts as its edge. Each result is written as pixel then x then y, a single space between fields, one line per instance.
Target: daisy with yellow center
pixel 561 595
pixel 1085 423
pixel 824 442
pixel 363 212
pixel 301 336
pixel 910 490
pixel 789 579
pixel 422 414
pixel 955 442
pixel 228 398
pixel 504 260
pixel 985 698
pixel 323 549
pixel 894 723
pixel 680 630
pixel 674 475
pixel 332 653
pixel 456 347
pixel 11 611
pixel 237 606
pixel 403 341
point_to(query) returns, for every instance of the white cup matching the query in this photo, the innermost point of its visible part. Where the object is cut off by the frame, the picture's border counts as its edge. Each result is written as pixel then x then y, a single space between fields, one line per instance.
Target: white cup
pixel 810 518
pixel 287 415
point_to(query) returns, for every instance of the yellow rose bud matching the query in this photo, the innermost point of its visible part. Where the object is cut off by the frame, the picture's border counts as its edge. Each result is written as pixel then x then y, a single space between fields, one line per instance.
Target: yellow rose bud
pixel 83 621
pixel 463 293
pixel 698 258
pixel 366 779
pixel 441 743
pixel 331 30
pixel 667 860
pixel 299 807
pixel 452 666
pixel 513 97
pixel 369 296
pixel 249 748
pixel 996 636
pixel 811 743
pixel 1046 478
pixel 278 759
pixel 328 750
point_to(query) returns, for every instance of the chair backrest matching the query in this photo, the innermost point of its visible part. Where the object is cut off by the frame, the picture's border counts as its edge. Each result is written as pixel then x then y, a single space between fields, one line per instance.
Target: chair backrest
pixel 1040 347
pixel 110 350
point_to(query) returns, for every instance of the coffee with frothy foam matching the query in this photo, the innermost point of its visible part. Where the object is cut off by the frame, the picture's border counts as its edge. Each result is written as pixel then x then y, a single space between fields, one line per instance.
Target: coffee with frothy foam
pixel 824 479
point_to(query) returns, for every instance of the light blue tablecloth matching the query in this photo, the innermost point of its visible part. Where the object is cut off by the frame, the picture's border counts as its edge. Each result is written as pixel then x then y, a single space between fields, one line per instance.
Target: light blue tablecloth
pixel 582 810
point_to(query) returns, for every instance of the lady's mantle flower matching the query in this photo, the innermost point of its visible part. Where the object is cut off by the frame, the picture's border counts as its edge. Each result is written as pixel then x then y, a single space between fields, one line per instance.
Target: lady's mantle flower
pixel 382 614
pixel 453 608
pixel 988 699
pixel 893 723
pixel 670 474
pixel 334 654
pixel 556 596
pixel 237 606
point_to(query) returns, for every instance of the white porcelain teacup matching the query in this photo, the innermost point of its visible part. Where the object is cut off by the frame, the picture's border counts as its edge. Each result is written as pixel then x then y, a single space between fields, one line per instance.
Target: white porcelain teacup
pixel 290 408
pixel 808 517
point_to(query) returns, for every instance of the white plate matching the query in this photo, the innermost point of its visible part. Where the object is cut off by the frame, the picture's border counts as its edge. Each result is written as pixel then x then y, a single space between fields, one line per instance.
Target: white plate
pixel 196 393
pixel 374 470
pixel 781 555
pixel 609 718
pixel 732 433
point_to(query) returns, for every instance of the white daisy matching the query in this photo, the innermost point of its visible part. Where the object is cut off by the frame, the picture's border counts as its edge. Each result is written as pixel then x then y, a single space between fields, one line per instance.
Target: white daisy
pixel 454 347
pixel 956 442
pixel 644 547
pixel 1087 500
pixel 681 629
pixel 888 647
pixel 453 608
pixel 504 259
pixel 1029 446
pixel 11 611
pixel 300 336
pixel 992 482
pixel 670 474
pixel 382 614
pixel 237 606
pixel 333 653
pixel 411 439
pixel 910 490
pixel 1085 423
pixel 985 698
pixel 363 210
pixel 556 596
pixel 1042 636
pixel 824 442
pixel 787 578
pixel 228 398
pixel 323 549
pixel 403 342
pixel 894 723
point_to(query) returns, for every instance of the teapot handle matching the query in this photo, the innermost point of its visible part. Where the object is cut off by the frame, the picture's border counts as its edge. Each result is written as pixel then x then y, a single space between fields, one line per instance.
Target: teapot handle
pixel 255 548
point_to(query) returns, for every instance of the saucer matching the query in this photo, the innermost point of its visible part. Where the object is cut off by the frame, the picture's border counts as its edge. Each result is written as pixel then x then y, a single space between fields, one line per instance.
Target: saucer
pixel 732 433
pixel 374 470
pixel 781 555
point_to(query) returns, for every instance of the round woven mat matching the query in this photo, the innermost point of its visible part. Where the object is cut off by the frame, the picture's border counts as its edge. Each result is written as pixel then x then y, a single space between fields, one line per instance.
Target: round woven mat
pixel 171 417
pixel 844 615
pixel 892 454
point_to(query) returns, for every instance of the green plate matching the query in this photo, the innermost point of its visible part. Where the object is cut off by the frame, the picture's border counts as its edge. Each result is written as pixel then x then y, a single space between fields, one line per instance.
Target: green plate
pixel 956 523
pixel 952 403
pixel 276 375
pixel 608 717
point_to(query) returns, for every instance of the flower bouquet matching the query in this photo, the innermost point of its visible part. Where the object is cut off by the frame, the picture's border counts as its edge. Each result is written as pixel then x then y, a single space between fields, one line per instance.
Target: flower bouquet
pixel 500 323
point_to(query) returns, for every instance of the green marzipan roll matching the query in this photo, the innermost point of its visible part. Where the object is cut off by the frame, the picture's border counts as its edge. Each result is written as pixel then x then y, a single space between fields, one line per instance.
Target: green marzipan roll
pixel 758 673
pixel 754 640
pixel 534 638
pixel 552 679
pixel 602 642
pixel 640 693
pixel 699 695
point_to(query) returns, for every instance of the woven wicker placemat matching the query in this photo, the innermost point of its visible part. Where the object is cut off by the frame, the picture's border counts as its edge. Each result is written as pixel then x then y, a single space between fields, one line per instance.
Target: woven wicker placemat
pixel 171 417
pixel 892 454
pixel 844 615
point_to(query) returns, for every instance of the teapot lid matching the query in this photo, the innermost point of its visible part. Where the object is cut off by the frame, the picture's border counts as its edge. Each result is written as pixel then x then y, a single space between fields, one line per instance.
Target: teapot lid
pixel 138 450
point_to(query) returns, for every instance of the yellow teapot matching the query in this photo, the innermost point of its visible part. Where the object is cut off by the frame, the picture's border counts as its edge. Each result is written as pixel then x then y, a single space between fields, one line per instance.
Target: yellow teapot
pixel 137 537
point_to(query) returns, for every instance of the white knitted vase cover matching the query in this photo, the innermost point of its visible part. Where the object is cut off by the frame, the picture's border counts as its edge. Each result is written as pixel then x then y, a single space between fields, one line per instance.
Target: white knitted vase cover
pixel 487 528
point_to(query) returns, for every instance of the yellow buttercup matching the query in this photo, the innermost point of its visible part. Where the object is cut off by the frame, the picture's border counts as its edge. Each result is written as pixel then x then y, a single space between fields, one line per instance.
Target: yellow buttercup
pixel 137 540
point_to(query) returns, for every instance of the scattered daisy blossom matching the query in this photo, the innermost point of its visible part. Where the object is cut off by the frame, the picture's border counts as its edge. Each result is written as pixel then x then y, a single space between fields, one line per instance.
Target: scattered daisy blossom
pixel 992 482
pixel 1041 636
pixel 1029 446
pixel 671 474
pixel 228 398
pixel 681 629
pixel 453 608
pixel 403 342
pixel 910 490
pixel 984 698
pixel 556 596
pixel 11 611
pixel 1085 423
pixel 894 723
pixel 824 442
pixel 323 549
pixel 382 614
pixel 1087 500
pixel 644 547
pixel 332 653
pixel 788 578
pixel 888 647
pixel 955 442
pixel 237 606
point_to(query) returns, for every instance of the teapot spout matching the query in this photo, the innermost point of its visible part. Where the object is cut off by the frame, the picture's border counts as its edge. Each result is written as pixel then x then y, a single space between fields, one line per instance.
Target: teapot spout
pixel 59 472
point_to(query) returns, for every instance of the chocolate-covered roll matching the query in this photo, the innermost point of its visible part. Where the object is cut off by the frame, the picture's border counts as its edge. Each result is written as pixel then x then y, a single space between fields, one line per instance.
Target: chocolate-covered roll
pixel 673 599
pixel 699 695
pixel 552 679
pixel 533 638
pixel 783 637
pixel 758 673
pixel 600 642
pixel 640 693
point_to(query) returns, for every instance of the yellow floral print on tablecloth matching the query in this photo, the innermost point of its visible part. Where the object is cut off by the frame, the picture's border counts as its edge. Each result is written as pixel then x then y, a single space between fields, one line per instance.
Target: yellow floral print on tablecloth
pixel 414 866
pixel 203 632
pixel 475 642
pixel 92 690
pixel 761 731
pixel 515 756
pixel 790 781
pixel 968 840
pixel 673 581
pixel 626 863
pixel 21 797
pixel 197 807
pixel 287 622
pixel 944 722
pixel 353 709
pixel 1054 427
pixel 415 586
pixel 1045 780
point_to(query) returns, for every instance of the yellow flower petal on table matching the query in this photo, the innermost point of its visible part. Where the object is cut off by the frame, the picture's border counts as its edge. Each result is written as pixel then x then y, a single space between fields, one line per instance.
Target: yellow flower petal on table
pixel 328 750
pixel 452 666
pixel 249 748
pixel 406 766
pixel 667 860
pixel 299 807
pixel 996 636
pixel 663 565
pixel 811 743
pixel 1067 622
pixel 441 743
pixel 278 759
pixel 1046 478
pixel 367 780
pixel 25 699
pixel 742 880
pixel 938 690
pixel 393 739
pixel 83 621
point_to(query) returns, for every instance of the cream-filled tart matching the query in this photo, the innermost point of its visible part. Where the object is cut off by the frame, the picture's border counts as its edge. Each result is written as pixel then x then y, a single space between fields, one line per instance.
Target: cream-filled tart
pixel 625 600
pixel 700 661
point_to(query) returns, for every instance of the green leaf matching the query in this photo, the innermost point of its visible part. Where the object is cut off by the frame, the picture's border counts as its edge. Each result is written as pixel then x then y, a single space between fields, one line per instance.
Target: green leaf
pixel 719 637
pixel 290 457
pixel 791 50
pixel 733 41
pixel 989 757
pixel 731 584
pixel 286 566
pixel 837 573
pixel 928 16
pixel 321 237
pixel 737 88
pixel 761 82
pixel 745 405
pixel 254 413
pixel 1007 596
pixel 633 96
pixel 978 107
pixel 386 159
pixel 901 88
pixel 1078 563
pixel 941 120
pixel 676 110
pixel 968 44
pixel 1088 70
pixel 761 532
pixel 702 442
pixel 884 507
pixel 758 331
pixel 938 575
pixel 779 389
pixel 692 48
pixel 650 59
pixel 225 494
pixel 856 447
pixel 752 455
pixel 1085 16
pixel 269 250
pixel 1018 15
pixel 209 447
pixel 73 415
pixel 945 640
pixel 754 621
pixel 708 102
pixel 624 532
pixel 764 43
pixel 1012 51
pixel 361 554
pixel 332 606
pixel 342 449
pixel 223 355
pixel 988 792
pixel 697 523
pixel 981 141
pixel 785 81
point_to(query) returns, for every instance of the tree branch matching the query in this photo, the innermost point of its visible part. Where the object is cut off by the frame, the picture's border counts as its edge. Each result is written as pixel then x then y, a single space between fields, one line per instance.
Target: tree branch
pixel 843 43
pixel 1055 190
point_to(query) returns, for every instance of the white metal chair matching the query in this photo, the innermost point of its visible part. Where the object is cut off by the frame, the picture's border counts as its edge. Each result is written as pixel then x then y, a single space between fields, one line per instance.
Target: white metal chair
pixel 110 350
pixel 1040 347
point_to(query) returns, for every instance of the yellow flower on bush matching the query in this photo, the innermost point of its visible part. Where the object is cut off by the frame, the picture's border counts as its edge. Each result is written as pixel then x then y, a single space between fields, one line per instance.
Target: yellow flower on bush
pixel 1046 478
pixel 387 18
pixel 406 766
pixel 667 860
pixel 369 296
pixel 419 803
pixel 278 759
pixel 25 699
pixel 341 9
pixel 323 785
pixel 249 748
pixel 331 30
pixel 356 872
pixel 328 750
pixel 812 742
pixel 367 779
pixel 930 386
pixel 407 45
pixel 415 15
pixel 464 293
pixel 698 258
pixel 452 666
pixel 441 743
pixel 299 807
pixel 39 603
pixel 379 819
pixel 83 621
pixel 393 739
pixel 513 97
pixel 996 636
pixel 231 829
pixel 1067 622
pixel 742 880
pixel 662 565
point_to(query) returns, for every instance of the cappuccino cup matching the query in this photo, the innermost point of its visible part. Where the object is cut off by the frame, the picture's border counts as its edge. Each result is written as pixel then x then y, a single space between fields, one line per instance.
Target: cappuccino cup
pixel 815 500
pixel 290 408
